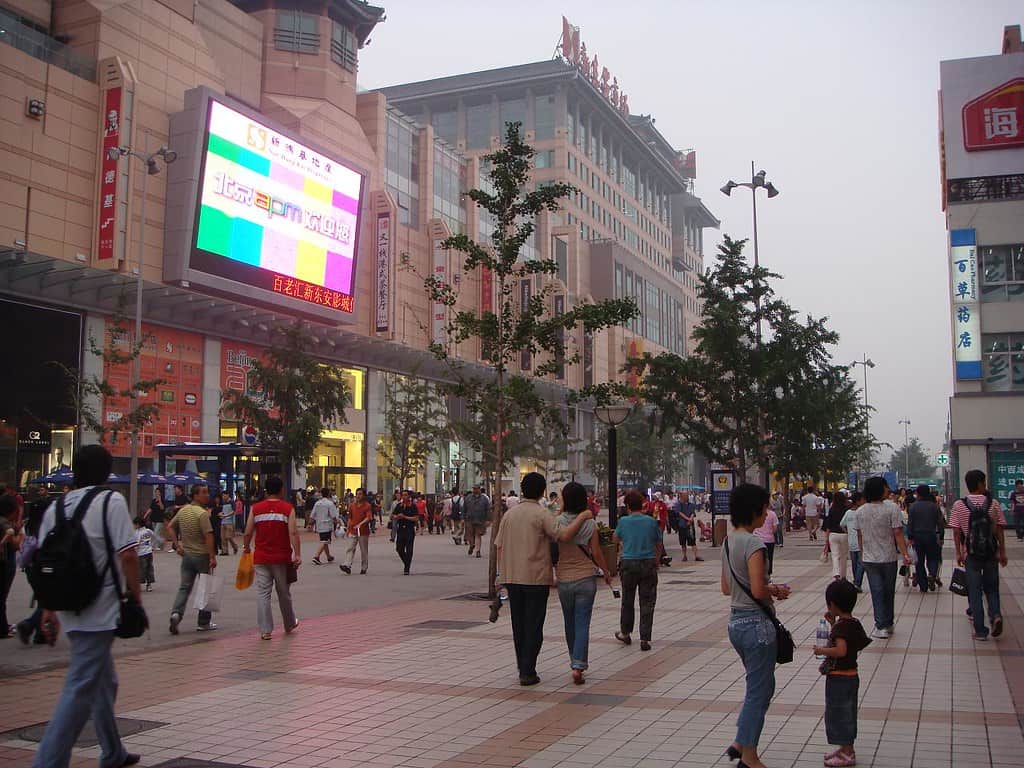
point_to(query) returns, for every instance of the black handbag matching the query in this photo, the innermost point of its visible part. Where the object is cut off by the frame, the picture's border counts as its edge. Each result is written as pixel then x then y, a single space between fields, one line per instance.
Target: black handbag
pixel 784 645
pixel 133 621
pixel 958 584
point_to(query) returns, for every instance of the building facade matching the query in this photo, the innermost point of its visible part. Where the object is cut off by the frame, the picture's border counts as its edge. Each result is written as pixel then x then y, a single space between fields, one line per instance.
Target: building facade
pixel 284 193
pixel 982 144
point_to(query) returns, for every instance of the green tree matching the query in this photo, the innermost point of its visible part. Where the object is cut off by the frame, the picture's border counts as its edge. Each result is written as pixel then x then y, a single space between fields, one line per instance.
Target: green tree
pixel 920 460
pixel 646 455
pixel 291 399
pixel 517 328
pixel 117 355
pixel 415 418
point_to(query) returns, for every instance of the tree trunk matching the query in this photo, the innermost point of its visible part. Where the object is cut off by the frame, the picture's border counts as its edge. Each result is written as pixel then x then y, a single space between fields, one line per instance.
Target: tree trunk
pixel 496 510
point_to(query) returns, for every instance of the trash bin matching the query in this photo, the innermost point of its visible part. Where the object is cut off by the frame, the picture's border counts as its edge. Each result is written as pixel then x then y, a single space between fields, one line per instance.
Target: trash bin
pixel 721 530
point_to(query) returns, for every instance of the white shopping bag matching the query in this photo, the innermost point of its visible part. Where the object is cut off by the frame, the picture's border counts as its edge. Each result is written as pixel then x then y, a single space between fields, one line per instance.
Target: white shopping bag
pixel 209 588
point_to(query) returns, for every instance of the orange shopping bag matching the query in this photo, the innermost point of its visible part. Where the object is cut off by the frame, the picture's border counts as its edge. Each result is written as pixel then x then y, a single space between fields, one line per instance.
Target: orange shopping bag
pixel 246 572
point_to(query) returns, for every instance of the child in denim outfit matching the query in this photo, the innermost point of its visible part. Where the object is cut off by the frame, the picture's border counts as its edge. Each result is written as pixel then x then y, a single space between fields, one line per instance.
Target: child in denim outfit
pixel 842 683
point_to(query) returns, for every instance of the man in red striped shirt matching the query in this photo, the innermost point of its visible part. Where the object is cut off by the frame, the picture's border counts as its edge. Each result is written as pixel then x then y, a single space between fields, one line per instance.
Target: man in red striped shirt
pixel 980 558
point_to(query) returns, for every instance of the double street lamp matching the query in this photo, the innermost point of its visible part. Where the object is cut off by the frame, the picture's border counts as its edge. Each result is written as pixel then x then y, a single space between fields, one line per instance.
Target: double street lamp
pixel 151 161
pixel 613 416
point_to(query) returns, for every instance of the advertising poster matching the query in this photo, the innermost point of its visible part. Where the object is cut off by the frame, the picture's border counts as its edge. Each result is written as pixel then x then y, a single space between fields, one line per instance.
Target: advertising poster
pixel 276 214
pixel 236 363
pixel 174 356
pixel 382 304
pixel 108 180
pixel 963 276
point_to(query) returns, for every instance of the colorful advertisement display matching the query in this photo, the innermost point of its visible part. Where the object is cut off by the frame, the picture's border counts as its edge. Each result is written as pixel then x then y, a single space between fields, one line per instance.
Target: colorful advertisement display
pixel 963 279
pixel 276 214
pixel 236 363
pixel 174 356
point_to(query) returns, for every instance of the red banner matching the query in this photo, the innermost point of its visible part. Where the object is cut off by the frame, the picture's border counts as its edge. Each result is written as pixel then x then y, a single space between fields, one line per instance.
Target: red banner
pixel 995 120
pixel 168 354
pixel 108 179
pixel 486 290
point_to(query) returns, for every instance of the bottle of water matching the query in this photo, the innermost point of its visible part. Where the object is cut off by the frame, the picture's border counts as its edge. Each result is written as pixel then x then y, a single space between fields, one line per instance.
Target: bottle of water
pixel 821 638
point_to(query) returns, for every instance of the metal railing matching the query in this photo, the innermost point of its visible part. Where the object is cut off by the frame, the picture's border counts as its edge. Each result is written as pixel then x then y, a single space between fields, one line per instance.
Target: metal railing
pixel 16 32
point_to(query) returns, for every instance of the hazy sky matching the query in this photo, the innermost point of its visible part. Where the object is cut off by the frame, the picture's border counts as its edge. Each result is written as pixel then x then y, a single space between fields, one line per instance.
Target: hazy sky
pixel 837 101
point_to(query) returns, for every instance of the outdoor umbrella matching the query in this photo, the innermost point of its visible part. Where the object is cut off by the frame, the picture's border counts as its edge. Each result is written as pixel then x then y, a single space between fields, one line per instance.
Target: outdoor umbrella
pixel 152 478
pixel 60 477
pixel 113 479
pixel 185 478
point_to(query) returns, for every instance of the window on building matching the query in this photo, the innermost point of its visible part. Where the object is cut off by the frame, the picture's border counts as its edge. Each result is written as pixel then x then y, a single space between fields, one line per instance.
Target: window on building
pixel 1003 361
pixel 486 222
pixel 297 31
pixel 560 250
pixel 478 126
pixel 449 170
pixel 543 117
pixel 544 159
pixel 570 127
pixel 344 47
pixel 446 126
pixel 1002 269
pixel 403 168
pixel 513 111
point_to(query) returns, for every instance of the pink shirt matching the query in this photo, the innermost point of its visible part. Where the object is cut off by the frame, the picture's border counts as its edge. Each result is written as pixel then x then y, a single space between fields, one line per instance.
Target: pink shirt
pixel 767 531
pixel 960 516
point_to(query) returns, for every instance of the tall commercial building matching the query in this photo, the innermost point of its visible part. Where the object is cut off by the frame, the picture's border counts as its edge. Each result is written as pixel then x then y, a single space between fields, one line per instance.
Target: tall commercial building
pixel 293 195
pixel 982 146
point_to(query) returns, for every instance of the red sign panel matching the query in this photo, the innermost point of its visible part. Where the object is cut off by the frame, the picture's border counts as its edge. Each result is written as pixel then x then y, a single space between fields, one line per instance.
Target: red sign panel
pixel 995 120
pixel 177 358
pixel 486 290
pixel 108 179
pixel 311 292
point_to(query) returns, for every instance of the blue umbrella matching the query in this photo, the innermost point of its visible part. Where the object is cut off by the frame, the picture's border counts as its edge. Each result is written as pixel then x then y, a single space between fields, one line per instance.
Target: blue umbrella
pixel 113 479
pixel 152 478
pixel 185 478
pixel 60 477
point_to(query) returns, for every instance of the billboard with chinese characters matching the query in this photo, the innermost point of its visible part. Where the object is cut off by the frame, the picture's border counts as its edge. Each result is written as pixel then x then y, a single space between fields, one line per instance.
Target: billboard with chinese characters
pixel 176 358
pixel 382 270
pixel 964 298
pixel 254 213
pixel 983 116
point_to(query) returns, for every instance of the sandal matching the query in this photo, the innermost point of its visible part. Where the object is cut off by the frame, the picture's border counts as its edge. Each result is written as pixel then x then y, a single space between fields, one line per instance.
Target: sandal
pixel 841 760
pixel 265 635
pixel 624 639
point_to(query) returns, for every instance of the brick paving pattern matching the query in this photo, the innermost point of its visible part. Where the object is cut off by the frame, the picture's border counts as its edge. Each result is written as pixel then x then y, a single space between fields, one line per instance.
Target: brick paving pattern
pixel 390 686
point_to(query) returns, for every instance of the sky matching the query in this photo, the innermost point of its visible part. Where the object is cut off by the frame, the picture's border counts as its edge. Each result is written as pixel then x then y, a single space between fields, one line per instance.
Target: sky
pixel 837 101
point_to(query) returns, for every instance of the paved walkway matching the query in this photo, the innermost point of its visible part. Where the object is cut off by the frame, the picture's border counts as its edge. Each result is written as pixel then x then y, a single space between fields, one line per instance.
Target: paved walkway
pixel 429 682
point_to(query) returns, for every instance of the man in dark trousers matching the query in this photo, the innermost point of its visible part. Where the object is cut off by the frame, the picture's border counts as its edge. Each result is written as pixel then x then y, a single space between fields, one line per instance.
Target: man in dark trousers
pixel 524 564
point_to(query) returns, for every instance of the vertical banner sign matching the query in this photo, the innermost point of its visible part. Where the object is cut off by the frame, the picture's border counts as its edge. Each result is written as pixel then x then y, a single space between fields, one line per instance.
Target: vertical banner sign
pixel 486 290
pixel 588 359
pixel 382 303
pixel 439 312
pixel 963 278
pixel 107 225
pixel 560 310
pixel 722 483
pixel 525 292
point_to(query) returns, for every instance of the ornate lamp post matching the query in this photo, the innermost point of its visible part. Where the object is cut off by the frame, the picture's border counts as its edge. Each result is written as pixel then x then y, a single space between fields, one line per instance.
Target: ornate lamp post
pixel 613 416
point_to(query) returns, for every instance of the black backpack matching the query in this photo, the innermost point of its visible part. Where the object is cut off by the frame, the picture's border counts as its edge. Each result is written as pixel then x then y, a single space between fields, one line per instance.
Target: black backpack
pixel 63 573
pixel 982 543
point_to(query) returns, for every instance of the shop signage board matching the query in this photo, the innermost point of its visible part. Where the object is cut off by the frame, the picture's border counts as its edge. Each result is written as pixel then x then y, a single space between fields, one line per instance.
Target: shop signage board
pixel 1007 467
pixel 964 303
pixel 722 483
pixel 382 271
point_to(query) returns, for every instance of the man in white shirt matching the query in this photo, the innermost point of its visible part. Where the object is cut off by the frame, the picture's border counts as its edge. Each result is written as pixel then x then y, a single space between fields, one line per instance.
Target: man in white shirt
pixel 325 518
pixel 91 683
pixel 812 504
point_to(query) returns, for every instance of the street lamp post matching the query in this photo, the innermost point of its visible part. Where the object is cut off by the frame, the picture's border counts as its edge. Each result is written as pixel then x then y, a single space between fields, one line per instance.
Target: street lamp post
pixel 152 168
pixel 757 181
pixel 613 416
pixel 906 450
pixel 458 463
pixel 865 363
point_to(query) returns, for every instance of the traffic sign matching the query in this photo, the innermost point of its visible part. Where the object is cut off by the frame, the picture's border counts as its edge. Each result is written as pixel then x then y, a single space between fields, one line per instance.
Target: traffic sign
pixel 942 459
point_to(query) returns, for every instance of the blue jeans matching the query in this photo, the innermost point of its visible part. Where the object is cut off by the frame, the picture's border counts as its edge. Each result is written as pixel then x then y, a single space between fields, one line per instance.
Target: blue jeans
pixel 89 689
pixel 929 553
pixel 577 599
pixel 882 581
pixel 982 579
pixel 841 709
pixel 753 637
pixel 858 568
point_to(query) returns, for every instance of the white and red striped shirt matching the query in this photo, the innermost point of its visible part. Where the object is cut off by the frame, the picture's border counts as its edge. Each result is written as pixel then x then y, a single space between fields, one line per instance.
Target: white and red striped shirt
pixel 273 541
pixel 960 515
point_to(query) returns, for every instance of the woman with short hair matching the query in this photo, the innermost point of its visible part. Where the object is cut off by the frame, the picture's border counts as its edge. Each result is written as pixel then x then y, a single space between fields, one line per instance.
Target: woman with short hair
pixel 751 631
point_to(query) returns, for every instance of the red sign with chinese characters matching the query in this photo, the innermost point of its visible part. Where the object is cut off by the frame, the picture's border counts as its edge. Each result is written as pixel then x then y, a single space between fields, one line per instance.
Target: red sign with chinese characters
pixel 995 120
pixel 311 292
pixel 174 356
pixel 108 178
pixel 486 289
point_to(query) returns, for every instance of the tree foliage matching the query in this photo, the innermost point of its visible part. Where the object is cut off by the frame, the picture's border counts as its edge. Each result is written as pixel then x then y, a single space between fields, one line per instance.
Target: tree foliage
pixel 775 401
pixel 414 417
pixel 117 355
pixel 920 460
pixel 501 396
pixel 646 455
pixel 292 397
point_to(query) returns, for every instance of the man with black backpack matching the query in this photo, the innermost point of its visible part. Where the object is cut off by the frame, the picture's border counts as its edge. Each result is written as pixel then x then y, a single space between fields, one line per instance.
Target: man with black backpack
pixel 76 579
pixel 977 521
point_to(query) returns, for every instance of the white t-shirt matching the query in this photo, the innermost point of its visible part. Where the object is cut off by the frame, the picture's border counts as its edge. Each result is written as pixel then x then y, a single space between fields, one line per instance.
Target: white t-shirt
pixel 104 612
pixel 812 503
pixel 877 521
pixel 324 514
pixel 227 514
pixel 144 539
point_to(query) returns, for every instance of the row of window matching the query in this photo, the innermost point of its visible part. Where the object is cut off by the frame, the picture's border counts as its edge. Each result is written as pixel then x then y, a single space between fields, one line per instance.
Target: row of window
pixel 661 317
pixel 300 32
pixel 1003 361
pixel 402 166
pixel 1002 268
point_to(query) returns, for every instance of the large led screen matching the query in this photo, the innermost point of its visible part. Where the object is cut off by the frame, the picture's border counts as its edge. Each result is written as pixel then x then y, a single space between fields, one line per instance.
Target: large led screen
pixel 274 213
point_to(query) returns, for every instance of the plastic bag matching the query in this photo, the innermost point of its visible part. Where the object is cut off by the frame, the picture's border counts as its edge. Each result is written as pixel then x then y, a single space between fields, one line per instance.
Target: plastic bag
pixel 958 584
pixel 208 591
pixel 246 572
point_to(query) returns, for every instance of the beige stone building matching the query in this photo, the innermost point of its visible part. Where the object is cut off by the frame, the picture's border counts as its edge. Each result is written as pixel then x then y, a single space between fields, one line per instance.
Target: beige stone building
pixel 259 109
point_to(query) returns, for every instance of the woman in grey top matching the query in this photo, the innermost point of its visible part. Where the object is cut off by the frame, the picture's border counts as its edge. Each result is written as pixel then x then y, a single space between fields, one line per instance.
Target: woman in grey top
pixel 751 632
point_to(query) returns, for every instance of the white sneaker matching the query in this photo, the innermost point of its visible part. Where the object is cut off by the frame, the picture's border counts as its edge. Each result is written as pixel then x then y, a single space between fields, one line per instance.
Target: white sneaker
pixel 882 634
pixel 206 627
